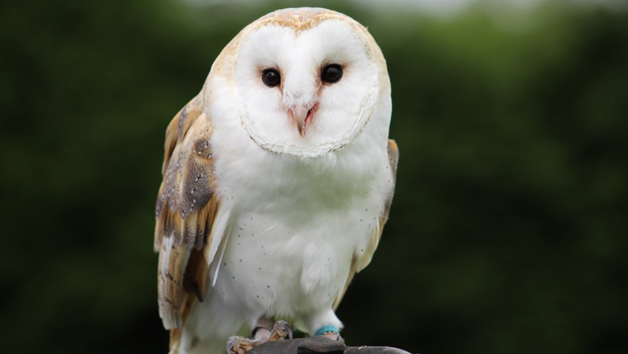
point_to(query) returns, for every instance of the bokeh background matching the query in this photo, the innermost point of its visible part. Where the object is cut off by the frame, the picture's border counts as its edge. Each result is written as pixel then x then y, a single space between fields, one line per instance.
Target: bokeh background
pixel 508 232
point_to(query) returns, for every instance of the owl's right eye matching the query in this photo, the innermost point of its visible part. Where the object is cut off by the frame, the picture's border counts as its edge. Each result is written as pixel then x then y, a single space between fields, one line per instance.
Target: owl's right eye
pixel 271 77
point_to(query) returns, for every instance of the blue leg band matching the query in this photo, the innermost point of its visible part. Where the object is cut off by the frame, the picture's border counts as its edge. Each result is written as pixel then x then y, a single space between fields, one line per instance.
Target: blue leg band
pixel 326 329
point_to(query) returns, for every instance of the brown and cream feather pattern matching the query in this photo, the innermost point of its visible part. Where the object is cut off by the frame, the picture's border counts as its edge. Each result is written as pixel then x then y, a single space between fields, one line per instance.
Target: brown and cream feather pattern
pixel 186 209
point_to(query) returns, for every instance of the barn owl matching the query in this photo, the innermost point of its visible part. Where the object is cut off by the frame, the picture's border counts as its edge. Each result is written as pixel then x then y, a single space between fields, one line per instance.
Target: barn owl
pixel 277 182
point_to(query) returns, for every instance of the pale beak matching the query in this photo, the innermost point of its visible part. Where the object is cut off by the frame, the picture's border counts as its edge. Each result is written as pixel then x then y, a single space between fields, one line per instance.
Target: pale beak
pixel 299 113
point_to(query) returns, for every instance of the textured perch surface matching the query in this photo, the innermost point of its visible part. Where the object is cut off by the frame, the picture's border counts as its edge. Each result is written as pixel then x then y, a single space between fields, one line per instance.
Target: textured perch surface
pixel 319 344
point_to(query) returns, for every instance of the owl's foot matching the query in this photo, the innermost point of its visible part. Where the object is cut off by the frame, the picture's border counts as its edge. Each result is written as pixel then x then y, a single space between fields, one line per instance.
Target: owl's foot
pixel 281 330
pixel 332 335
pixel 331 332
pixel 240 345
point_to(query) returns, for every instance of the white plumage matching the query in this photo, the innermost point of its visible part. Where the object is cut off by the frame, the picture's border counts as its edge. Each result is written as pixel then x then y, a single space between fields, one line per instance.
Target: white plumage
pixel 274 196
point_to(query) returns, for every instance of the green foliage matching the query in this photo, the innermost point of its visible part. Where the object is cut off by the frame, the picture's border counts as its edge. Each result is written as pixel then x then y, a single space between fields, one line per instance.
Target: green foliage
pixel 508 227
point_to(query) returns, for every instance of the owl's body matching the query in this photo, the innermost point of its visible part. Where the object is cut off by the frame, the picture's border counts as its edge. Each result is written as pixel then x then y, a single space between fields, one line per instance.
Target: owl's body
pixel 257 218
pixel 294 230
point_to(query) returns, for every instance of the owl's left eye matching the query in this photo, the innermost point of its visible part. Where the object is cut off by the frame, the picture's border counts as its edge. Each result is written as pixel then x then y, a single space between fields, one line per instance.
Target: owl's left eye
pixel 271 77
pixel 331 73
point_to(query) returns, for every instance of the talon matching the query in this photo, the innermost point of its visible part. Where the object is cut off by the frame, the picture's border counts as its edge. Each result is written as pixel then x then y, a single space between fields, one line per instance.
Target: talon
pixel 230 345
pixel 280 331
pixel 332 335
pixel 240 345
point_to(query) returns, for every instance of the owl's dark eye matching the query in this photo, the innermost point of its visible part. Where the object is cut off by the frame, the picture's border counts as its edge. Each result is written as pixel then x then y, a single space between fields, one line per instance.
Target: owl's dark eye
pixel 331 73
pixel 271 77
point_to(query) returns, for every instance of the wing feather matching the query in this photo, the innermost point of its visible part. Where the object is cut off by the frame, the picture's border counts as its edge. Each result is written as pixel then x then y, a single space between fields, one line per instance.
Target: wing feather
pixel 185 213
pixel 359 263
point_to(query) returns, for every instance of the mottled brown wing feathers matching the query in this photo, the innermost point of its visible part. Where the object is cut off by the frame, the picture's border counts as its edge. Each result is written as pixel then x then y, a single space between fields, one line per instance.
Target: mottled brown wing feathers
pixel 186 209
pixel 359 263
pixel 179 126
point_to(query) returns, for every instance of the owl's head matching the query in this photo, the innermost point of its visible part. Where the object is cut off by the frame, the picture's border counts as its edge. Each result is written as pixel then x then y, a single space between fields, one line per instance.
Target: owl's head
pixel 306 81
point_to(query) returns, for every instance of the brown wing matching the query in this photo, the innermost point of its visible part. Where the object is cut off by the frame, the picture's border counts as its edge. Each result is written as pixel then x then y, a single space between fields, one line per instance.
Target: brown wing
pixel 186 209
pixel 359 263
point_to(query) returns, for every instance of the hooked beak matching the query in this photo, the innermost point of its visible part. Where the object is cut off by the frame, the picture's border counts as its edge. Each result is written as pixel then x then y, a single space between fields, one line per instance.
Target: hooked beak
pixel 301 115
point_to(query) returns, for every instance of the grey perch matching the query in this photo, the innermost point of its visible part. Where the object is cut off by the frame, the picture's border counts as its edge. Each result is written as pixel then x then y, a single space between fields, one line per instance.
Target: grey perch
pixel 319 344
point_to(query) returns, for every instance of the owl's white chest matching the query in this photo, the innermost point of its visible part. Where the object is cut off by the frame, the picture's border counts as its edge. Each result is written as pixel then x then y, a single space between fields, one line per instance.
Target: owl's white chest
pixel 275 266
pixel 291 240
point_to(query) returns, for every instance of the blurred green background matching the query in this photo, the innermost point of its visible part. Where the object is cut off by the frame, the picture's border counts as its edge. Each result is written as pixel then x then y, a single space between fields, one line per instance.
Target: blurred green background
pixel 507 232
